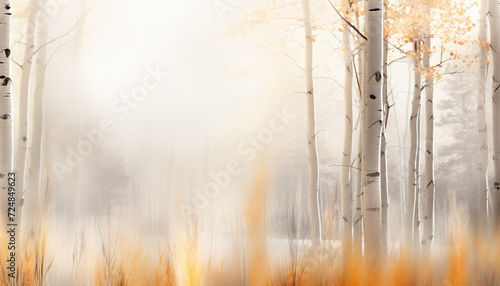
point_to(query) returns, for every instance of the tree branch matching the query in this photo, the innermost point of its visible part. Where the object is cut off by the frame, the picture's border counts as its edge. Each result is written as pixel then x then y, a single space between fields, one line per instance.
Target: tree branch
pixel 65 34
pixel 348 23
pixel 293 60
pixel 337 165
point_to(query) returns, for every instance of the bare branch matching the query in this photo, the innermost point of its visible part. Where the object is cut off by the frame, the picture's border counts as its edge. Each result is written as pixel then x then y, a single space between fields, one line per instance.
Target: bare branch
pixel 65 34
pixel 293 60
pixel 335 165
pixel 348 23
pixel 357 77
pixel 330 78
pixel 398 59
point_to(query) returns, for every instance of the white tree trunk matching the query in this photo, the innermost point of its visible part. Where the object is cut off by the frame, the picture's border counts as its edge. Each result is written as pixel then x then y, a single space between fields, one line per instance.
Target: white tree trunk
pixel 34 182
pixel 346 190
pixel 482 129
pixel 401 163
pixel 6 118
pixel 23 135
pixel 314 209
pixel 357 221
pixel 372 130
pixel 418 176
pixel 428 231
pixel 383 159
pixel 358 212
pixel 494 11
pixel 412 167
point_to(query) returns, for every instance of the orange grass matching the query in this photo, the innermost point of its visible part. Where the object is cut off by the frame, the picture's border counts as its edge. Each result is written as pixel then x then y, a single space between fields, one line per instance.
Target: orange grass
pixel 132 266
pixel 129 266
pixel 399 270
pixel 255 219
pixel 457 270
pixel 186 259
pixel 126 262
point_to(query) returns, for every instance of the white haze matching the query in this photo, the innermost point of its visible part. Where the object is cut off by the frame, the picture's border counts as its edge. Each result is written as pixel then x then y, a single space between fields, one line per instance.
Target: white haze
pixel 216 92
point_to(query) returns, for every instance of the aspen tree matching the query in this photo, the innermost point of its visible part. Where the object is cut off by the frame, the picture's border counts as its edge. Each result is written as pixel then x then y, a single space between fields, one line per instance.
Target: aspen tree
pixel 418 183
pixel 372 129
pixel 428 230
pixel 383 152
pixel 24 111
pixel 411 201
pixel 7 117
pixel 411 24
pixel 482 168
pixel 494 12
pixel 346 189
pixel 314 207
pixel 7 123
pixel 36 144
pixel 358 211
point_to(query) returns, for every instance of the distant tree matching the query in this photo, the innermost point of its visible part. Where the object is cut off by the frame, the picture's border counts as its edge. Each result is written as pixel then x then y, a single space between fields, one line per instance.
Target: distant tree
pixel 458 155
pixel 346 186
pixel 34 179
pixel 360 70
pixel 107 184
pixel 314 204
pixel 415 23
pixel 22 141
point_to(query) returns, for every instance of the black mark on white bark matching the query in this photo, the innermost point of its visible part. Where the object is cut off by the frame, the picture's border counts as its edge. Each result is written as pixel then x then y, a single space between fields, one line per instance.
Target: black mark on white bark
pixel 7 52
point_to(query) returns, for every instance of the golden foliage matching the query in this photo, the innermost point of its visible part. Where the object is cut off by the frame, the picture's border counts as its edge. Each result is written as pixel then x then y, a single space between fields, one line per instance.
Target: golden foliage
pixel 408 22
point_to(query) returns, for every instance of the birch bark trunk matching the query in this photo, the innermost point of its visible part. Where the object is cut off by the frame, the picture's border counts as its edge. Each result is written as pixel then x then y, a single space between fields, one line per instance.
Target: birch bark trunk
pixel 358 212
pixel 373 130
pixel 314 209
pixel 494 11
pixel 6 103
pixel 346 191
pixel 383 159
pixel 24 112
pixel 428 231
pixel 34 184
pixel 412 167
pixel 6 115
pixel 418 183
pixel 482 129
